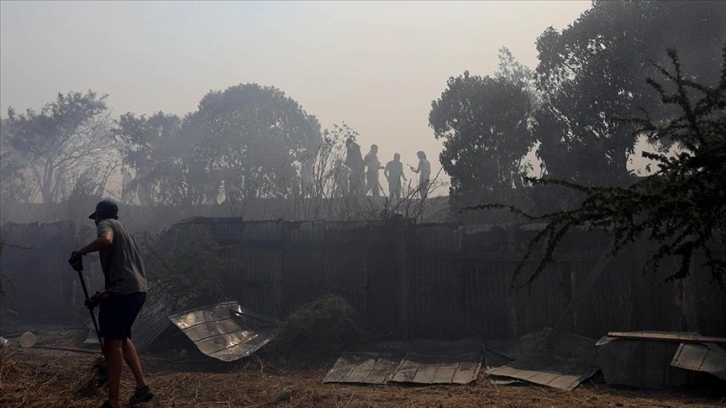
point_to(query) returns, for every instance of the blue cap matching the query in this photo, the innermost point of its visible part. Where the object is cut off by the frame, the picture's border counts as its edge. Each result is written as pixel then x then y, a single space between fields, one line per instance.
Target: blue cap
pixel 105 209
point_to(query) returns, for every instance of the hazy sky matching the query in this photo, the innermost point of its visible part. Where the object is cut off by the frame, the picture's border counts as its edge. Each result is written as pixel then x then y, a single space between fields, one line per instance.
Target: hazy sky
pixel 374 65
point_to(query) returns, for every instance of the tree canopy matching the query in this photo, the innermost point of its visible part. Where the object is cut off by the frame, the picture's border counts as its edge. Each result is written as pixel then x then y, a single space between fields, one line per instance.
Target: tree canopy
pixel 13 183
pixel 151 146
pixel 484 123
pixel 681 207
pixel 254 134
pixel 58 143
pixel 247 140
pixel 595 70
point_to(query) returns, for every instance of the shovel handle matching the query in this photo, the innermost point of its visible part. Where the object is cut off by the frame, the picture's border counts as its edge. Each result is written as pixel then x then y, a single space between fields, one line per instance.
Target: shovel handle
pixel 93 316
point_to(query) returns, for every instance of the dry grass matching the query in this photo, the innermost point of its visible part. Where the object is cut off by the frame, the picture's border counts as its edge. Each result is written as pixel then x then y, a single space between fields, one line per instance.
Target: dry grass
pixel 50 378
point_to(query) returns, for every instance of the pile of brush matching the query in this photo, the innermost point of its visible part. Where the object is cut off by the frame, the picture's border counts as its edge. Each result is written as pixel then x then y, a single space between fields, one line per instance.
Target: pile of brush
pixel 317 331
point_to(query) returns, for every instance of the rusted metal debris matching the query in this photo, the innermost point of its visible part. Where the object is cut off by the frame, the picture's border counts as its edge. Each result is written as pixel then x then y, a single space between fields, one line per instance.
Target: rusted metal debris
pixel 363 367
pixel 657 360
pixel 416 362
pixel 641 363
pixel 668 336
pixel 563 364
pixel 707 358
pixel 500 352
pixel 437 362
pixel 225 331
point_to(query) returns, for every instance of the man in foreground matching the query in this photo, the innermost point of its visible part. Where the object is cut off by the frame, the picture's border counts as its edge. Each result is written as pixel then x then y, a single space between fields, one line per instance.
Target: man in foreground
pixel 121 301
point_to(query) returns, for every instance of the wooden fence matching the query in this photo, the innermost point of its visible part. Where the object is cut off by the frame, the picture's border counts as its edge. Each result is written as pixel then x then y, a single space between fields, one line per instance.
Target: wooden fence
pixel 38 283
pixel 452 281
pixel 410 280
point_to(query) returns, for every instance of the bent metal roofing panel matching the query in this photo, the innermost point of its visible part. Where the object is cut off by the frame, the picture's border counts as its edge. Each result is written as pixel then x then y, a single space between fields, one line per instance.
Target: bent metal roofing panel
pixel 417 362
pixel 225 331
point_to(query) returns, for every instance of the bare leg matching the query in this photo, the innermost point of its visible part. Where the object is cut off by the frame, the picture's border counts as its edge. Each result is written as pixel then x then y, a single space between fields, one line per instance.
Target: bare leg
pixel 114 356
pixel 132 359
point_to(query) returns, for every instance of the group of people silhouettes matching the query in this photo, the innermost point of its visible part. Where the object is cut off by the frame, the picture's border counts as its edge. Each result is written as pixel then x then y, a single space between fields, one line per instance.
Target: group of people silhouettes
pixel 359 174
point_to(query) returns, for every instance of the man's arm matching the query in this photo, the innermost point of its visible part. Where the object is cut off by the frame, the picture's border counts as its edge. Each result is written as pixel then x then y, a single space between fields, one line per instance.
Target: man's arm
pixel 104 240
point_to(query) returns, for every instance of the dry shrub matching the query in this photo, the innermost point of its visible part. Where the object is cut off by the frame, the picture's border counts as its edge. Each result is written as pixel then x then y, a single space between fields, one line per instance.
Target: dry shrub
pixel 186 262
pixel 317 332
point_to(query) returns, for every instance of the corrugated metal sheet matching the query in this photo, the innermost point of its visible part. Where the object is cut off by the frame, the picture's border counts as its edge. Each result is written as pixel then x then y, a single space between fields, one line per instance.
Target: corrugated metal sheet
pixel 566 364
pixel 363 367
pixel 640 363
pixel 547 369
pixel 419 362
pixel 152 319
pixel 515 348
pixel 707 358
pixel 441 362
pixel 221 331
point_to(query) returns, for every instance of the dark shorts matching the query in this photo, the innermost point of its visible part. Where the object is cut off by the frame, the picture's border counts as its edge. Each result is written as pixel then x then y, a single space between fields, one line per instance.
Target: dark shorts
pixel 117 313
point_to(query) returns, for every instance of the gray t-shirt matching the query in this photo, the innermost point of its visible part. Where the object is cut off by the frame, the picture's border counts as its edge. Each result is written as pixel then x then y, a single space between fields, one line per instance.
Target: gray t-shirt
pixel 121 263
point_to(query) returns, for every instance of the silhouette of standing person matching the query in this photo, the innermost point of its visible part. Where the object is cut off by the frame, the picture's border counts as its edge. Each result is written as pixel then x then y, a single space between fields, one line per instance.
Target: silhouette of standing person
pixel 394 173
pixel 354 161
pixel 424 174
pixel 372 166
pixel 341 176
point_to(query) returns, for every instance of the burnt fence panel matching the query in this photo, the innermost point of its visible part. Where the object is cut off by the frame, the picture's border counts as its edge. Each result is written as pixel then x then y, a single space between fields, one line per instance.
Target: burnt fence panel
pixel 442 281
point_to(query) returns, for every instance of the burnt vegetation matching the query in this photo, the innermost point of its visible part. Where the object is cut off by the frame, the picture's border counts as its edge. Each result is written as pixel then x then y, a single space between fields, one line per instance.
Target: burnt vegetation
pixel 557 143
pixel 680 207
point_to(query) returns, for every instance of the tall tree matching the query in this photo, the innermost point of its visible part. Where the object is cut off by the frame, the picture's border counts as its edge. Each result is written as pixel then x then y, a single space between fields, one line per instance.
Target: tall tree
pixel 595 70
pixel 250 138
pixel 515 72
pixel 13 184
pixel 483 122
pixel 242 143
pixel 681 207
pixel 61 140
pixel 151 146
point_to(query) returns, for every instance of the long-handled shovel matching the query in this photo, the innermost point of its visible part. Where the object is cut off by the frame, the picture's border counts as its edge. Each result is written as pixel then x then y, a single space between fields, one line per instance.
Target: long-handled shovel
pixel 77 264
pixel 100 376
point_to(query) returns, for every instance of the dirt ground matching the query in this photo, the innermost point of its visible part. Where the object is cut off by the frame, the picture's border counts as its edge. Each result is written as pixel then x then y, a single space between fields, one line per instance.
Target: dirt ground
pixel 41 377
